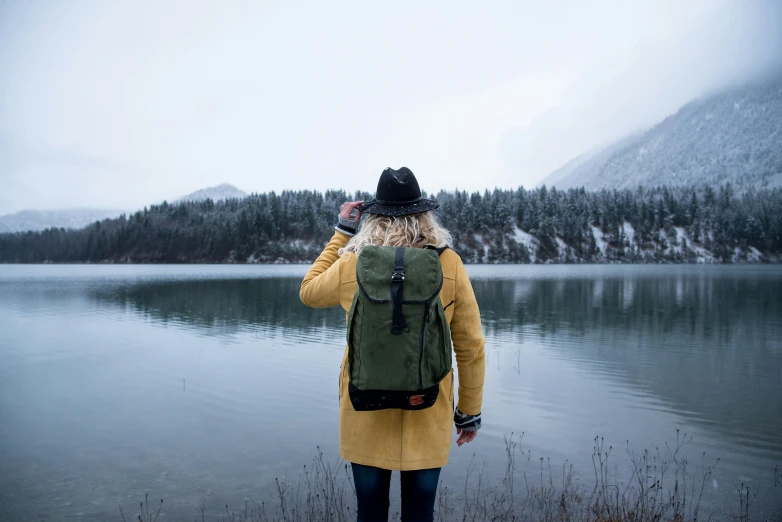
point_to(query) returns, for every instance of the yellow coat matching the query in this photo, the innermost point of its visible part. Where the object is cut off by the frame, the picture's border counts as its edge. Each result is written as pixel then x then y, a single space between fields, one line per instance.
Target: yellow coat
pixel 399 439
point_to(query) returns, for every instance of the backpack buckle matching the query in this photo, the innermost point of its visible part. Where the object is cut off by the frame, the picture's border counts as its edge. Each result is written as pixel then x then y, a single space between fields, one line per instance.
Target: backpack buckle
pixel 398 277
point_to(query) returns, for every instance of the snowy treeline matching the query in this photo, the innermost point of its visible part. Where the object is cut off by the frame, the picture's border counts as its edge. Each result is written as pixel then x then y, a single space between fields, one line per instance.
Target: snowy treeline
pixel 677 225
pixel 504 226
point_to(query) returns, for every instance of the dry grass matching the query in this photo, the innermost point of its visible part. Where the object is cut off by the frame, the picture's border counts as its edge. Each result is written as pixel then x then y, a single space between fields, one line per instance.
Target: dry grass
pixel 661 487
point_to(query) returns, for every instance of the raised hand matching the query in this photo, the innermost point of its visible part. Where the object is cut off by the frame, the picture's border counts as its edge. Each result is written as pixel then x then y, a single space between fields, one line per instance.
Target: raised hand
pixel 347 208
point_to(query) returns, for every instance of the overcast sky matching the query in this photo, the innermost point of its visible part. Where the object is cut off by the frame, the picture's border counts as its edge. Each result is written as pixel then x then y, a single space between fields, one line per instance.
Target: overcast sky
pixel 115 104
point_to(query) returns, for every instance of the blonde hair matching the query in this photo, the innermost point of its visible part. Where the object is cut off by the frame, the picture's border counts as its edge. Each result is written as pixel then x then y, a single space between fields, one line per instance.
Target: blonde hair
pixel 414 230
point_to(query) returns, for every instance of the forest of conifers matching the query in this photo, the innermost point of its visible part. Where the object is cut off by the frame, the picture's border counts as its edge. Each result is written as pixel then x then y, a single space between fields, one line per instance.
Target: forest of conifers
pixel 503 226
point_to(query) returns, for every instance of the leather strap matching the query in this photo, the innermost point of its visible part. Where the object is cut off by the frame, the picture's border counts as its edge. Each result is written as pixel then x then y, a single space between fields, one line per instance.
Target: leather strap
pixel 398 325
pixel 397 203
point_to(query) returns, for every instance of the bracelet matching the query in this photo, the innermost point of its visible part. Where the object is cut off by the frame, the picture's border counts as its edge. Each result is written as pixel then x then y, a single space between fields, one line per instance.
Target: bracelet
pixel 349 227
pixel 350 232
pixel 467 422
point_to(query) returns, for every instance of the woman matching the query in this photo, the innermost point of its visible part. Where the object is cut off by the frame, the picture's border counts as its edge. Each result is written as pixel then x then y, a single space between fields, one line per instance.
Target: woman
pixel 417 443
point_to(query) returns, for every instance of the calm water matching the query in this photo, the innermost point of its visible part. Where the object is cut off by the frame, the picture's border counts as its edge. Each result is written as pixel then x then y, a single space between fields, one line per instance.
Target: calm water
pixel 206 382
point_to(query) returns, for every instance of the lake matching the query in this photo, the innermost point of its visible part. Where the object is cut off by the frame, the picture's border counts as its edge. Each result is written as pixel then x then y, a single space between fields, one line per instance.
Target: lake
pixel 204 383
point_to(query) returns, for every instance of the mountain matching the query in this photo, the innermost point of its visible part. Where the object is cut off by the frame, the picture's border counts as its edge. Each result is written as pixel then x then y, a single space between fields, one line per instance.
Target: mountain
pixel 734 136
pixel 217 193
pixel 42 219
pixel 76 218
pixel 589 161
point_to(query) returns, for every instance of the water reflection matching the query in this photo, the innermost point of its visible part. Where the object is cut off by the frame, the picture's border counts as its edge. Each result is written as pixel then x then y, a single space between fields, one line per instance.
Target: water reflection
pixel 709 347
pixel 711 308
pixel 708 344
pixel 230 305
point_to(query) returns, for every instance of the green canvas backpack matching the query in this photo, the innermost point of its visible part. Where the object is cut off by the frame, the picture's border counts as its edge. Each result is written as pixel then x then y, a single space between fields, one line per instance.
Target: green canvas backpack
pixel 399 343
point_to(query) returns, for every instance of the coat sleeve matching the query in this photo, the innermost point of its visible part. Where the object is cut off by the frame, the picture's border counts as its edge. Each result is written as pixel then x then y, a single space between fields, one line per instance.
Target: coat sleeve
pixel 468 343
pixel 320 287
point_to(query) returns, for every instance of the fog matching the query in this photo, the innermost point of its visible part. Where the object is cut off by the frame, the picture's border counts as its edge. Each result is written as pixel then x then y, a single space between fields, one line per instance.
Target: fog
pixel 122 104
pixel 737 43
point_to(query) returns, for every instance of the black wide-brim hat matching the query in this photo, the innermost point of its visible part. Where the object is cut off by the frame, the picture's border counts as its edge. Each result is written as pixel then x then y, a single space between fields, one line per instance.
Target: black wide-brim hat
pixel 398 194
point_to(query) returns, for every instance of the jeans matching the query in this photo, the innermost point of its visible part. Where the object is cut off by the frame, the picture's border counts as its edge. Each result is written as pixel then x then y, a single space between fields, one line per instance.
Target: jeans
pixel 419 491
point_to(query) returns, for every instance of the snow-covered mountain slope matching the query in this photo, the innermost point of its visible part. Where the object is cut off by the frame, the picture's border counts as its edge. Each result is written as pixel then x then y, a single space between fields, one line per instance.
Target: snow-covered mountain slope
pixel 42 219
pixel 217 193
pixel 734 136
pixel 591 161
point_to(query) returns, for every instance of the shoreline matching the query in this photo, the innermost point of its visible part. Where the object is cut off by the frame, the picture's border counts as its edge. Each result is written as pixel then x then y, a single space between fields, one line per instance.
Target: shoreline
pixel 775 261
pixel 656 484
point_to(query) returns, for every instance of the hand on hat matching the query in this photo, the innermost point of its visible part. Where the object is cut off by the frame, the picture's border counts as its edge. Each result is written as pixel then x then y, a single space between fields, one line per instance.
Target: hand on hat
pixel 347 208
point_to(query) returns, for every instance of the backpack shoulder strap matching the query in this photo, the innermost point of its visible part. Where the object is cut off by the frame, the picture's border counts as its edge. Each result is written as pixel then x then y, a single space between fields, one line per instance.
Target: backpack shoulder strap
pixel 450 274
pixel 439 250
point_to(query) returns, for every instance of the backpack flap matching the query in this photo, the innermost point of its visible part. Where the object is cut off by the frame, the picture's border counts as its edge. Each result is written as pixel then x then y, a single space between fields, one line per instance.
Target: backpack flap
pixel 423 275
